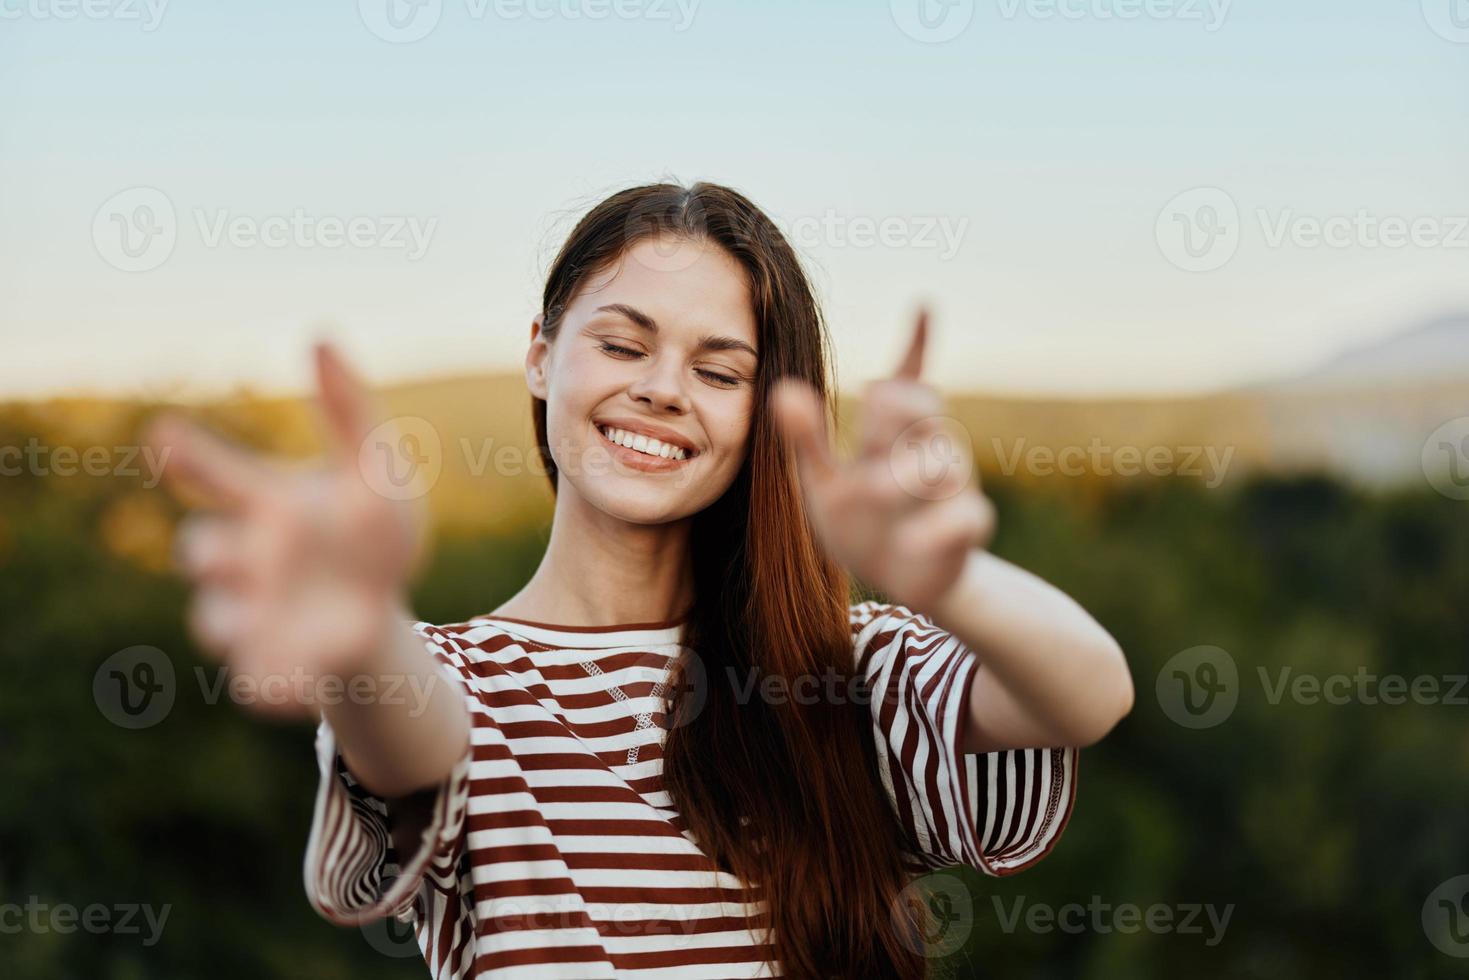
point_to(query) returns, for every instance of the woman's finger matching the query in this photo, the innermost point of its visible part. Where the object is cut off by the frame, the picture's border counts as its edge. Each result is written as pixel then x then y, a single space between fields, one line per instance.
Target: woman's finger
pixel 195 459
pixel 345 401
pixel 962 522
pixel 890 408
pixel 797 409
pixel 211 549
pixel 912 364
pixel 216 619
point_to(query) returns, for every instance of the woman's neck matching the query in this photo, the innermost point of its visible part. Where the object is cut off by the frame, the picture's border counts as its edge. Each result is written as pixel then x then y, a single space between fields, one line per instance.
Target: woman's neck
pixel 601 571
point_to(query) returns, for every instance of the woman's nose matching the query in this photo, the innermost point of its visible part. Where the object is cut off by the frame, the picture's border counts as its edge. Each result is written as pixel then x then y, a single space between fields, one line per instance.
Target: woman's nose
pixel 663 386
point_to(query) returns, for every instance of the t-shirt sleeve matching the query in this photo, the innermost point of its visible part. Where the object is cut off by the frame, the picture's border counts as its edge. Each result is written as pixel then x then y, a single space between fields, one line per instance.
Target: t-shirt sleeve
pixel 353 873
pixel 999 812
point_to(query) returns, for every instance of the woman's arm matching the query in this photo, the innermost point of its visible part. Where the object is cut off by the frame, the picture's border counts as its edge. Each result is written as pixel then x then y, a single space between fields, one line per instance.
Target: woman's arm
pixel 411 741
pixel 1050 675
pixel 904 517
pixel 299 578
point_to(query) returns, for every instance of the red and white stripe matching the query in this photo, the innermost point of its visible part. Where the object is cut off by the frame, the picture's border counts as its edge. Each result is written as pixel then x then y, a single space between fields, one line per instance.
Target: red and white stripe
pixel 549 855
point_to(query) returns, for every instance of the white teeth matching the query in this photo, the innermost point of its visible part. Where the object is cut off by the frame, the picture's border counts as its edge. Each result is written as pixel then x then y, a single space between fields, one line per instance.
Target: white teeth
pixel 644 444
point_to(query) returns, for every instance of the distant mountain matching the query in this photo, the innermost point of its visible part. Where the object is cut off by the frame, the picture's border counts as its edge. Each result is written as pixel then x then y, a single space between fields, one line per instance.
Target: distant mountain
pixel 1436 351
pixel 1367 411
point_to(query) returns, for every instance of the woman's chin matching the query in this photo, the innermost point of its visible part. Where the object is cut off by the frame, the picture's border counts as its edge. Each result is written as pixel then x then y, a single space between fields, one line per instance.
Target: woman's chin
pixel 644 505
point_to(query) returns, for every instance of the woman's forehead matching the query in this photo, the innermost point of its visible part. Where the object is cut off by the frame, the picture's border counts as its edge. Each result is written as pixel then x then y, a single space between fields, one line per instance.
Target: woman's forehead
pixel 687 285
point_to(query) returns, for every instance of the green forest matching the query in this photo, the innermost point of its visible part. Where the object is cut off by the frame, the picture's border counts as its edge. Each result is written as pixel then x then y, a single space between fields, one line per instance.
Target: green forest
pixel 1302 835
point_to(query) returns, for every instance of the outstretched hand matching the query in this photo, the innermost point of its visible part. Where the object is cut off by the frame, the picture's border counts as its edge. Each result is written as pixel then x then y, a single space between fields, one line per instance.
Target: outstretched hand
pixel 299 570
pixel 902 515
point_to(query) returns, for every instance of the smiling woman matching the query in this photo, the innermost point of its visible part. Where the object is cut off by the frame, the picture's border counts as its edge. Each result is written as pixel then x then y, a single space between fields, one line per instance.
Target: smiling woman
pixel 584 794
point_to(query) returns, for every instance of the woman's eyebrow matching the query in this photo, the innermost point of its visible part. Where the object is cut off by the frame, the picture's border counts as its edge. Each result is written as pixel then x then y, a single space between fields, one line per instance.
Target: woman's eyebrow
pixel 706 342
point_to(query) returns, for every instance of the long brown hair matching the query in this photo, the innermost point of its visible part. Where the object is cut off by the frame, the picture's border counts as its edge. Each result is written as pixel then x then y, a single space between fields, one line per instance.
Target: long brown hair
pixel 821 845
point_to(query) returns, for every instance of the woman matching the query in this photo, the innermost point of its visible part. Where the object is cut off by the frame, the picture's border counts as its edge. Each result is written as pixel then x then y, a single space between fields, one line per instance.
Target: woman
pixel 678 751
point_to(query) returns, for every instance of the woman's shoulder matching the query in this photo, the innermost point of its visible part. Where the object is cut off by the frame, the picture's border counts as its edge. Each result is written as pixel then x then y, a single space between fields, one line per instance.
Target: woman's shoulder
pixel 491 633
pixel 862 615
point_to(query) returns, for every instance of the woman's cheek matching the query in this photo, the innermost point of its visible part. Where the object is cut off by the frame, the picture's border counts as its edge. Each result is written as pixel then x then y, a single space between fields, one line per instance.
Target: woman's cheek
pixel 735 436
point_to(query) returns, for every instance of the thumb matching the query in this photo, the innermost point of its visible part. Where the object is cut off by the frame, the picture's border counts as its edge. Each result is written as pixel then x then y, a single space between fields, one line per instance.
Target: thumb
pixel 799 415
pixel 200 466
pixel 347 404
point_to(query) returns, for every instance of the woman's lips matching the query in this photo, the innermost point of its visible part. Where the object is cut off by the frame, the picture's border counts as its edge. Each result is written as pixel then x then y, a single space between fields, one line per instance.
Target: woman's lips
pixel 642 461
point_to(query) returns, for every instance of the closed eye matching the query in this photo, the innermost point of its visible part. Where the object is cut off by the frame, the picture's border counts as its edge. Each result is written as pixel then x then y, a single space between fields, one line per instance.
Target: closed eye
pixel 623 352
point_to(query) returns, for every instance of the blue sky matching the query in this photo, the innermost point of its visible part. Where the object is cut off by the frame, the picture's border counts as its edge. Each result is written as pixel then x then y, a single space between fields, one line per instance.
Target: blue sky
pixel 1025 171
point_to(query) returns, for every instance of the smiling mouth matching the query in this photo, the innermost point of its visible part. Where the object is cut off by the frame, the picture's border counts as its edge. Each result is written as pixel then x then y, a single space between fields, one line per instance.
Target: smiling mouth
pixel 645 445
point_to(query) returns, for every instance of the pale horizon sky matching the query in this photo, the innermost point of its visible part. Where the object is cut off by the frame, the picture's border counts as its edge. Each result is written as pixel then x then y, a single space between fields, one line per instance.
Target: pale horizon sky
pixel 1026 174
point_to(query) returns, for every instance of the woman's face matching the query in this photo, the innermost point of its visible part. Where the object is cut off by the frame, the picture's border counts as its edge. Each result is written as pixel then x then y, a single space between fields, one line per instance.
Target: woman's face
pixel 661 343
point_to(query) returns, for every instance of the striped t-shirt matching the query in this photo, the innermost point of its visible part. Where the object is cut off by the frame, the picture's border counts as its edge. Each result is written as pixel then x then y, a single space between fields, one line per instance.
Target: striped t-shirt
pixel 553 849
